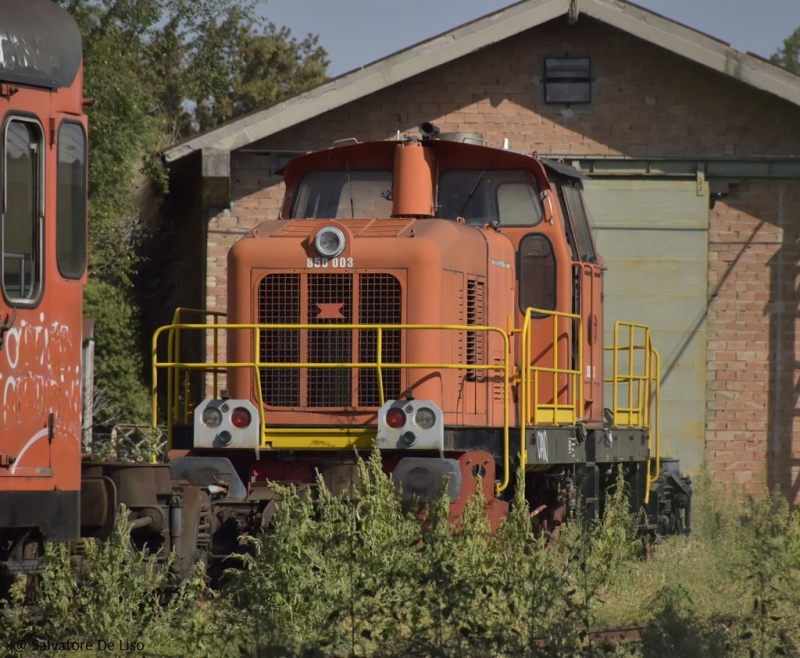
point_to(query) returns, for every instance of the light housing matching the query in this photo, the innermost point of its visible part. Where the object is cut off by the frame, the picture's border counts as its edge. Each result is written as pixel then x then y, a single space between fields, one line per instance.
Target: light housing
pixel 329 242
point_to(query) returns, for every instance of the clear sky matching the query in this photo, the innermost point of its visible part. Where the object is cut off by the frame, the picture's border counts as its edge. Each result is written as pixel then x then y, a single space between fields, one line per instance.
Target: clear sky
pixel 357 32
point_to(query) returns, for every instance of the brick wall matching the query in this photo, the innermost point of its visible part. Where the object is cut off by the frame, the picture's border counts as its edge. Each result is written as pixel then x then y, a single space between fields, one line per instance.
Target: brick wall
pixel 752 329
pixel 647 102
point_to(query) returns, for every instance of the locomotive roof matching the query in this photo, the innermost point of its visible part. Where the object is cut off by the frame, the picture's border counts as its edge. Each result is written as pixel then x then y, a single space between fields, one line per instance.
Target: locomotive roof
pixel 380 153
pixel 40 44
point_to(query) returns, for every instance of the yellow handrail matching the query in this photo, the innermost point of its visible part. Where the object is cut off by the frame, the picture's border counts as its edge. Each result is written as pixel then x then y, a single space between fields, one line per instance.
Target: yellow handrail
pixel 173 363
pixel 530 378
pixel 643 383
pixel 174 381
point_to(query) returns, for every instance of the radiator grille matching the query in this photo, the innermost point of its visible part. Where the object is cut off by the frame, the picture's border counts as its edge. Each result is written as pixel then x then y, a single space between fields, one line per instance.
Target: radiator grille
pixel 279 303
pixel 475 316
pixel 311 298
pixel 380 302
pixel 330 301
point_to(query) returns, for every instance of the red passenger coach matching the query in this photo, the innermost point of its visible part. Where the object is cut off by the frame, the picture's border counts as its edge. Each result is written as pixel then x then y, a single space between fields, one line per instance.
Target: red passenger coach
pixel 42 273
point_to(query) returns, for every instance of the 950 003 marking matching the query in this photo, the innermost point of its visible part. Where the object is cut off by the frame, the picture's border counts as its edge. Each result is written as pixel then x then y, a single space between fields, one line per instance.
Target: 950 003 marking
pixel 330 262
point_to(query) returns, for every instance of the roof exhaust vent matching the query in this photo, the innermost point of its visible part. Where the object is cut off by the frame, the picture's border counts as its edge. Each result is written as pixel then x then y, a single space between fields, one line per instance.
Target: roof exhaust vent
pixel 428 130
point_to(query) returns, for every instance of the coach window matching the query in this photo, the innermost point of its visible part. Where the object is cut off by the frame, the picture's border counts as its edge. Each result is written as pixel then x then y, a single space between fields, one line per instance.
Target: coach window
pixel 23 206
pixel 537 273
pixel 71 208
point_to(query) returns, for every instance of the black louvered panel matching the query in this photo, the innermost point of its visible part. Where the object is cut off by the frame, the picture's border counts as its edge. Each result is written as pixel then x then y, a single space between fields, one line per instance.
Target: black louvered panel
pixel 380 302
pixel 330 301
pixel 475 316
pixel 279 303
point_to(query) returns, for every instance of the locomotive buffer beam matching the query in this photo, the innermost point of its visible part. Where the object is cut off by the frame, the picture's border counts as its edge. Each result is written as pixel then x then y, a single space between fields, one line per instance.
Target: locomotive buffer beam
pixel 547 446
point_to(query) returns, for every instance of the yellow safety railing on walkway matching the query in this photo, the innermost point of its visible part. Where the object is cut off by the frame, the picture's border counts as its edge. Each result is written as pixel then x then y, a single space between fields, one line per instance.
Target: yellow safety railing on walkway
pixel 178 379
pixel 294 438
pixel 636 388
pixel 533 411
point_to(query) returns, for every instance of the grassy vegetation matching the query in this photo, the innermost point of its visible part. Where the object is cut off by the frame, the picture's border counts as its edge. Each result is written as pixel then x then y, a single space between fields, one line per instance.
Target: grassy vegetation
pixel 352 575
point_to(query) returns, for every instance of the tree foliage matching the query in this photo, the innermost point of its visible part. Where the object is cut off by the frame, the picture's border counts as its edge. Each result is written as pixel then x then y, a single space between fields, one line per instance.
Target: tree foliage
pixel 159 71
pixel 788 55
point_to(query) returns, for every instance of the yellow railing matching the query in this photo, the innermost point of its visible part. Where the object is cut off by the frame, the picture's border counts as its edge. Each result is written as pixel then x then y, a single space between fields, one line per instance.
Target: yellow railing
pixel 178 379
pixel 636 388
pixel 292 438
pixel 533 411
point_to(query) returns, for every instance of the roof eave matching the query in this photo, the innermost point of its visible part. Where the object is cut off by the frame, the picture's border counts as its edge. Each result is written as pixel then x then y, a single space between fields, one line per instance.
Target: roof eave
pixel 362 82
pixel 629 18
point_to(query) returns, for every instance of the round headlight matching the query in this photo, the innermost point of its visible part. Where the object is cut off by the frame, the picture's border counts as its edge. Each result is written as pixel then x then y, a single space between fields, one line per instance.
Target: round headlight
pixel 212 417
pixel 425 418
pixel 241 418
pixel 395 418
pixel 329 242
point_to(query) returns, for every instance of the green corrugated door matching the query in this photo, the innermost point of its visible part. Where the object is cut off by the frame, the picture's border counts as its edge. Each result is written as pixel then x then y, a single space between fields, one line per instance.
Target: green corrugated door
pixel 653 236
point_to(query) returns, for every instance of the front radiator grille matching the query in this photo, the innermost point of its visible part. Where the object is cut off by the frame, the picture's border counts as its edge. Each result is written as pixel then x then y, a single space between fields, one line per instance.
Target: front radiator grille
pixel 330 301
pixel 380 302
pixel 369 298
pixel 279 303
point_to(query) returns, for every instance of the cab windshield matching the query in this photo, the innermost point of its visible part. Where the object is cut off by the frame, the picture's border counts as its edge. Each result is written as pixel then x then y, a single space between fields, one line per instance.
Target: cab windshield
pixel 344 195
pixel 509 197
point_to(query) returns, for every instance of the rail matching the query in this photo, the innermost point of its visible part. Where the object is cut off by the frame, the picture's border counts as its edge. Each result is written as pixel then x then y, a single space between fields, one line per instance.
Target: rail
pixel 180 370
pixel 636 388
pixel 533 411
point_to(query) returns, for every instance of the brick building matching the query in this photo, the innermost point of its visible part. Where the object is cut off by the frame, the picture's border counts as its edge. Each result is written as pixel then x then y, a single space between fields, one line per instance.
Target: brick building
pixel 692 151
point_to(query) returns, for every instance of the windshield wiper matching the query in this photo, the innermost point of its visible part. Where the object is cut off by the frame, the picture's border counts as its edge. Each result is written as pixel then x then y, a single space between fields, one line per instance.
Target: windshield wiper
pixel 474 188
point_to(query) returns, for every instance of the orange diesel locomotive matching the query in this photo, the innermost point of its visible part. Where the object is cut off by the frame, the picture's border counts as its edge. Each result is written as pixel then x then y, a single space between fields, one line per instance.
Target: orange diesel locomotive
pixel 42 273
pixel 441 300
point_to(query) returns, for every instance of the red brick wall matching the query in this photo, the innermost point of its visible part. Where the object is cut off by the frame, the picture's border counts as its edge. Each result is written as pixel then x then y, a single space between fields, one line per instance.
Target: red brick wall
pixel 752 329
pixel 647 102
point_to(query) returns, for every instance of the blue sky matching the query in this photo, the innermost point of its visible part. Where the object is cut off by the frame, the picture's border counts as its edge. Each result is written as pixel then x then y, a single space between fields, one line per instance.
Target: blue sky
pixel 356 32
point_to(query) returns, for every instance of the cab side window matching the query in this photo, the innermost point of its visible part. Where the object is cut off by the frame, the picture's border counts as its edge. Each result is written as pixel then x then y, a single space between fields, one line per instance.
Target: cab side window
pixel 71 207
pixel 580 223
pixel 537 273
pixel 23 212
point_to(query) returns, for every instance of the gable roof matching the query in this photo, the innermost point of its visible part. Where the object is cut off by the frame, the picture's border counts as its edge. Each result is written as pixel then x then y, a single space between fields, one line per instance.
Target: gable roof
pixel 642 23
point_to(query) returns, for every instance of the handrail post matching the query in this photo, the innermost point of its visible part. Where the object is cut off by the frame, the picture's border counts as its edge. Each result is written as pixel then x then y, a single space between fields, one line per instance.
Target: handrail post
pixel 379 373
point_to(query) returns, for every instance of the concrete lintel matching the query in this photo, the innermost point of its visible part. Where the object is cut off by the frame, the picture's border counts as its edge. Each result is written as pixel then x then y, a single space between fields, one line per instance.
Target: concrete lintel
pixel 753 167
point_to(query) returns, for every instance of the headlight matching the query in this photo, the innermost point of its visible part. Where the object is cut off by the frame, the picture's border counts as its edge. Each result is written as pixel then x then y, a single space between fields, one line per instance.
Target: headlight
pixel 241 418
pixel 408 438
pixel 424 418
pixel 329 242
pixel 212 417
pixel 395 418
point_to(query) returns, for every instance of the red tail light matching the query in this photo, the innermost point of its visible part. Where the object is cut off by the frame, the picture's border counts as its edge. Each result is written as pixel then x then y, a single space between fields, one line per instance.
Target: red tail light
pixel 395 418
pixel 241 418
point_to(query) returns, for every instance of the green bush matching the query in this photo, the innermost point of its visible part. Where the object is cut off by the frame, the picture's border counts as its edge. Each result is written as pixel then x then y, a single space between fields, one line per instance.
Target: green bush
pixel 356 574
